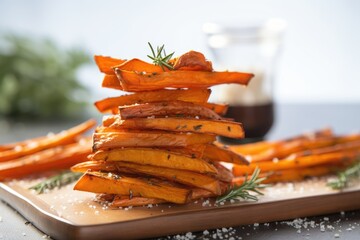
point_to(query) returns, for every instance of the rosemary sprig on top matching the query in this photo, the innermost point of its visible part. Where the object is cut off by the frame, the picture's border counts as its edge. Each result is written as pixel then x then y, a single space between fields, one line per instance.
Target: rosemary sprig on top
pixel 160 58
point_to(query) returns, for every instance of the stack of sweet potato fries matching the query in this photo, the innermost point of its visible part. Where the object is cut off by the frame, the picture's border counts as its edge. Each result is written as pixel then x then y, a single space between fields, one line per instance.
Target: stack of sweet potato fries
pixel 158 144
pixel 51 152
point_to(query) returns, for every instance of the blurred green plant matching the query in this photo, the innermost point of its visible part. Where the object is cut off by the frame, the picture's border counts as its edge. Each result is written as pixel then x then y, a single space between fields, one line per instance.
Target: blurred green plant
pixel 38 80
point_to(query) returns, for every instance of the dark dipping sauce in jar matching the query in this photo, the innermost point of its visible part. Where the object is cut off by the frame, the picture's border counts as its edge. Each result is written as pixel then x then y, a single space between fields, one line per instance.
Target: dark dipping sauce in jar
pixel 257 120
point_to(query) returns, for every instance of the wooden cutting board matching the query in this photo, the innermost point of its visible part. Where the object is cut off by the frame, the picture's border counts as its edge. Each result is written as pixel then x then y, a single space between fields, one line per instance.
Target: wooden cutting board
pixel 68 214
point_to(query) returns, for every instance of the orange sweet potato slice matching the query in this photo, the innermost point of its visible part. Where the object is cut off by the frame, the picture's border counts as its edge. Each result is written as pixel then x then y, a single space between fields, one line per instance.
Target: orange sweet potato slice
pixel 105 64
pixel 136 82
pixel 62 138
pixel 113 139
pixel 188 178
pixel 217 127
pixel 167 108
pixel 97 182
pixel 190 95
pixel 62 157
pixel 222 154
pixel 155 157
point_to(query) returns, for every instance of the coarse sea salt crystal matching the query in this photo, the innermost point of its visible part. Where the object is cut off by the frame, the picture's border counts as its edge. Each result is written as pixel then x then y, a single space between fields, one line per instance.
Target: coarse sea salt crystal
pixel 189 235
pixel 330 227
pixel 322 228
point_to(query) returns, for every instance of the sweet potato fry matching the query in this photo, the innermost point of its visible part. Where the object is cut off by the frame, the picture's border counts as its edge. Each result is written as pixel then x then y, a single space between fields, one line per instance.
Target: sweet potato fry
pixel 198 193
pixel 220 109
pixel 295 174
pixel 136 82
pixel 108 120
pixel 62 157
pixel 306 161
pixel 251 148
pixel 61 138
pixel 190 95
pixel 224 174
pixel 299 174
pixel 20 144
pixel 133 187
pixel 188 178
pixel 201 193
pixel 221 154
pixel 167 108
pixel 117 201
pixel 111 81
pixel 114 139
pixel 140 66
pixel 266 150
pixel 105 64
pixel 353 145
pixel 125 201
pixel 217 127
pixel 96 166
pixel 282 149
pixel 155 157
pixel 193 151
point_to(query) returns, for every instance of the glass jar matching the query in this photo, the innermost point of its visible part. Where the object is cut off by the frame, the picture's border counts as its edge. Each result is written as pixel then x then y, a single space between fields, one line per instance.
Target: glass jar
pixel 251 48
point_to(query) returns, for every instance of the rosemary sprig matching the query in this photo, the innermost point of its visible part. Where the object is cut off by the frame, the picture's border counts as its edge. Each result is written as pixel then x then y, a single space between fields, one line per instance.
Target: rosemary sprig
pixel 244 190
pixel 160 59
pixel 56 181
pixel 344 177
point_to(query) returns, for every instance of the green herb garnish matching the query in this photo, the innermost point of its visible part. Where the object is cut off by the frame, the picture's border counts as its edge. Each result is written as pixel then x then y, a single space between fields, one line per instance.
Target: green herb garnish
pixel 244 190
pixel 56 181
pixel 160 58
pixel 344 177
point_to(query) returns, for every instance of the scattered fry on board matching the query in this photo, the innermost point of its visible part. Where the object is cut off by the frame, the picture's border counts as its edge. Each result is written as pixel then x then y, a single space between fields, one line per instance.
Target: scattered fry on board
pixel 52 152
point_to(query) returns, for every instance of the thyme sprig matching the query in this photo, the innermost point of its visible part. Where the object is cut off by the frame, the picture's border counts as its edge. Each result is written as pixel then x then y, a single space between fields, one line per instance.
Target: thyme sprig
pixel 246 189
pixel 56 181
pixel 344 177
pixel 160 58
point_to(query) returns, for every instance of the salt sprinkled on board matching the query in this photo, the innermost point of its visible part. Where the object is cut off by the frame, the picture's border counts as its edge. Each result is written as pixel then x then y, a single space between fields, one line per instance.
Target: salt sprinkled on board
pixel 206 203
pixel 221 233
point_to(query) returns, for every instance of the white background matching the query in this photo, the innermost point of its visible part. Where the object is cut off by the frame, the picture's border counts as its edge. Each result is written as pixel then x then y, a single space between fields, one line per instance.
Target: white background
pixel 320 60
